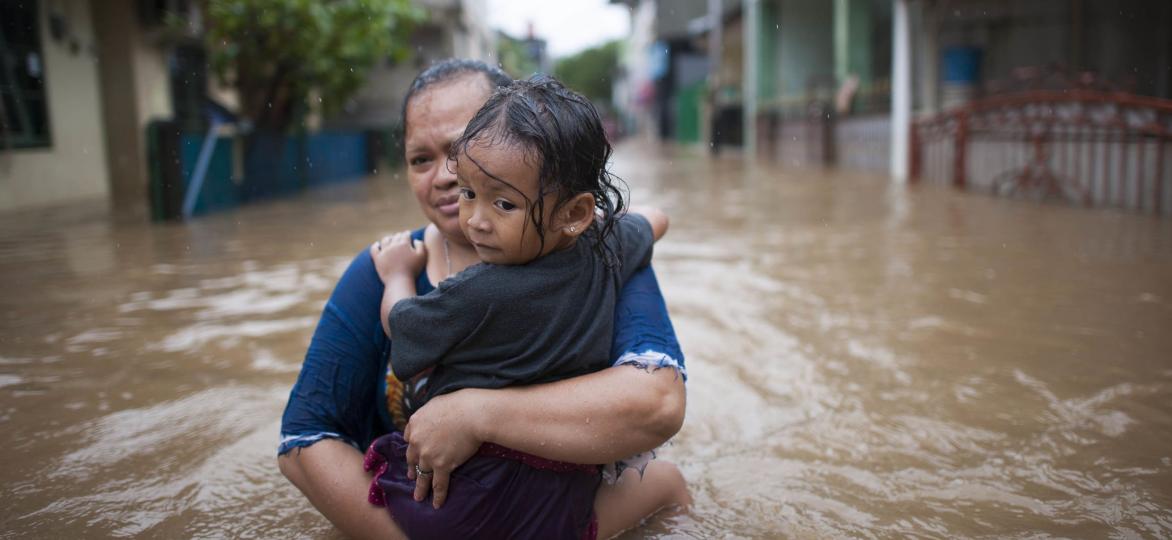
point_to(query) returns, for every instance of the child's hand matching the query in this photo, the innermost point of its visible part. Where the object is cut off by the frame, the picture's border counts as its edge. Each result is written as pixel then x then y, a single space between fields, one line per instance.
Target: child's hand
pixel 396 255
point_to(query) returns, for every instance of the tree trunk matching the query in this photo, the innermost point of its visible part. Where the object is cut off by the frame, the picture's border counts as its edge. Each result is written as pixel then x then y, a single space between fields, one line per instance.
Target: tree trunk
pixel 271 163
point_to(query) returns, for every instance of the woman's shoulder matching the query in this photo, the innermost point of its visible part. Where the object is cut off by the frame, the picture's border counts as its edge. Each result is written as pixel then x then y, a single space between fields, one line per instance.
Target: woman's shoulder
pixel 478 274
pixel 361 273
pixel 425 232
pixel 431 237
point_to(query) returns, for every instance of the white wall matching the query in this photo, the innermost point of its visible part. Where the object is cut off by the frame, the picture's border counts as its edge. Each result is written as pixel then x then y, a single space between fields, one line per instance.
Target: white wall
pixel 636 73
pixel 804 46
pixel 477 40
pixel 74 166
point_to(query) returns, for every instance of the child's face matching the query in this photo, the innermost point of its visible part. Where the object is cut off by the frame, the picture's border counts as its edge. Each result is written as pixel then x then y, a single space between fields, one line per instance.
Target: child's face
pixel 494 215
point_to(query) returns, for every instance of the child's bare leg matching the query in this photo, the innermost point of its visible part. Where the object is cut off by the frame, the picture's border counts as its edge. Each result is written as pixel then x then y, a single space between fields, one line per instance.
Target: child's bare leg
pixel 630 500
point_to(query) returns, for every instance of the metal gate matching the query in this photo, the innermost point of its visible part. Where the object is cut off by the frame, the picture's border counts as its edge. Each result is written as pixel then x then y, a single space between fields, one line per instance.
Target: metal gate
pixel 1092 148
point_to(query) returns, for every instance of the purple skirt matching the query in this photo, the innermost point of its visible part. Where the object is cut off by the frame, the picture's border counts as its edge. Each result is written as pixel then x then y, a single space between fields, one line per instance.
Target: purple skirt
pixel 499 493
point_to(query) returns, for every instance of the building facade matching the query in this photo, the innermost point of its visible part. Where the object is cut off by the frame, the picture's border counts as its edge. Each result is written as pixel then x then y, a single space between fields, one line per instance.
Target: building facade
pixel 814 82
pixel 53 145
pixel 82 81
pixel 454 28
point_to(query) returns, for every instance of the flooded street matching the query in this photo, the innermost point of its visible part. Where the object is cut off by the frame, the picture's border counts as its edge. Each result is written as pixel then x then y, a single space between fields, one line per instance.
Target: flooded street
pixel 865 360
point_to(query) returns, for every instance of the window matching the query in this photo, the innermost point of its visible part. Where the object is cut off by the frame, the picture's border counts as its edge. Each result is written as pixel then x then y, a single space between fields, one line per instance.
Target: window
pixel 24 113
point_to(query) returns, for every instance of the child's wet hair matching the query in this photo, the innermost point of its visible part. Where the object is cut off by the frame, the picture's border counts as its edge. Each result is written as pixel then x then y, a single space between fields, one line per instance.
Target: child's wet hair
pixel 561 133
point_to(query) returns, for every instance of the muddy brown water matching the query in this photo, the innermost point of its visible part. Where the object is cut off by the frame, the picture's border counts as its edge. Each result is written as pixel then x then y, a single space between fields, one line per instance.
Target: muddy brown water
pixel 865 360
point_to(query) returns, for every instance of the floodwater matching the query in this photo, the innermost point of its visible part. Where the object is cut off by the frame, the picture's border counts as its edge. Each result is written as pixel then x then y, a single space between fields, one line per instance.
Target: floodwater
pixel 866 360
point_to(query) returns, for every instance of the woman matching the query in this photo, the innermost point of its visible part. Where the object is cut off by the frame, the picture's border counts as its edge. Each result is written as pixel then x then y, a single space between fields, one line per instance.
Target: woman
pixel 338 405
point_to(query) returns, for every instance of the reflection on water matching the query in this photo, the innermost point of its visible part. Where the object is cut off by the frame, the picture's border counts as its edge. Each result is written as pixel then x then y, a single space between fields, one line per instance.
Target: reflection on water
pixel 865 359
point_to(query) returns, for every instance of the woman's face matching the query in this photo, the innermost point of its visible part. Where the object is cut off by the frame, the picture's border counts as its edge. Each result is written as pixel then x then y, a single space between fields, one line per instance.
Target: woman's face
pixel 435 118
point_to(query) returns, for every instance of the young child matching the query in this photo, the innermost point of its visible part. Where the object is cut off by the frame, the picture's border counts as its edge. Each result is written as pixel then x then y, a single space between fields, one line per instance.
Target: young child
pixel 544 214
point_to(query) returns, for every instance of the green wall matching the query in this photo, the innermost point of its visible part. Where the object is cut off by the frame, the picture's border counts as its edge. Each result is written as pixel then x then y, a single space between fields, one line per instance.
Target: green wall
pixel 853 39
pixel 804 44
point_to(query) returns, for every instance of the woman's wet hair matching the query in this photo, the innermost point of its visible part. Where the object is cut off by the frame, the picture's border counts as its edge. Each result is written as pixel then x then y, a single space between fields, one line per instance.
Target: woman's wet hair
pixel 560 132
pixel 449 70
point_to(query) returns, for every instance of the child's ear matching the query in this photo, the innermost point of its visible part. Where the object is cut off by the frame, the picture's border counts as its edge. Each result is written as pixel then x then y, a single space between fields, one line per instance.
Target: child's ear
pixel 577 214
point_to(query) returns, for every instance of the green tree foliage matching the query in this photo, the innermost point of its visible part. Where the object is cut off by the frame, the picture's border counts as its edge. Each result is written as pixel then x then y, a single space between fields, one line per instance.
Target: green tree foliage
pixel 278 53
pixel 591 72
pixel 515 58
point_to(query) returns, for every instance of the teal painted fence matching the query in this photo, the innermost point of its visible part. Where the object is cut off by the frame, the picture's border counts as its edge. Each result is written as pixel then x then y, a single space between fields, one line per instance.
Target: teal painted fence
pixel 278 166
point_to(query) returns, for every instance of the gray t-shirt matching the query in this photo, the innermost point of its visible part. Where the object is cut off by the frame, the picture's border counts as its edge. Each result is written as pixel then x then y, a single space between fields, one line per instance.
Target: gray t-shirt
pixel 492 326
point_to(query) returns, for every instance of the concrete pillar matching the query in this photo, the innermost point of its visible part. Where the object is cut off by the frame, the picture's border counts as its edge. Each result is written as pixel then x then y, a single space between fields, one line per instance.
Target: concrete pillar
pixel 750 76
pixel 115 24
pixel 136 88
pixel 841 39
pixel 715 55
pixel 901 90
pixel 715 40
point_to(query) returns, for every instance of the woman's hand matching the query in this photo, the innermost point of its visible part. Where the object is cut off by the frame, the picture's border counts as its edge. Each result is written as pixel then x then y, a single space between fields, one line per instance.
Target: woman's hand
pixel 595 418
pixel 397 255
pixel 441 436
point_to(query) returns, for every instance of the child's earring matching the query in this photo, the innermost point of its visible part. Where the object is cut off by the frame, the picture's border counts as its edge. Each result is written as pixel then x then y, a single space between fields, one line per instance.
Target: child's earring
pixel 573 228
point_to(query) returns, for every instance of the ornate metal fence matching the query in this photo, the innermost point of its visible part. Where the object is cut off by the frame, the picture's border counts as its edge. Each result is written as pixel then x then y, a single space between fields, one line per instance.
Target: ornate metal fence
pixel 1089 147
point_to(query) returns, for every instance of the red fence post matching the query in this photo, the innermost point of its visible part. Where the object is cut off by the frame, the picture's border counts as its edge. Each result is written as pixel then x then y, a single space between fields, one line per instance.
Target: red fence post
pixel 962 135
pixel 914 154
pixel 1159 195
pixel 1089 152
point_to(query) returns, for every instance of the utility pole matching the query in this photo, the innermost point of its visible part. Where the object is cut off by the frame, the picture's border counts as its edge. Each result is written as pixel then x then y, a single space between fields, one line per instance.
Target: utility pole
pixel 715 53
pixel 901 91
pixel 750 29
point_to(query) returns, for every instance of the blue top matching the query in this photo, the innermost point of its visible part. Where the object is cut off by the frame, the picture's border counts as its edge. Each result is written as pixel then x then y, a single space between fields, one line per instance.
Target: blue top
pixel 341 391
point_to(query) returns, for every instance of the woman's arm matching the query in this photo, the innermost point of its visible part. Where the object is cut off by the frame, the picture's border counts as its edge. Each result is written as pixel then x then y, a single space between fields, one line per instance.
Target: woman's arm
pixel 596 418
pixel 330 475
pixel 333 408
pixel 656 217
